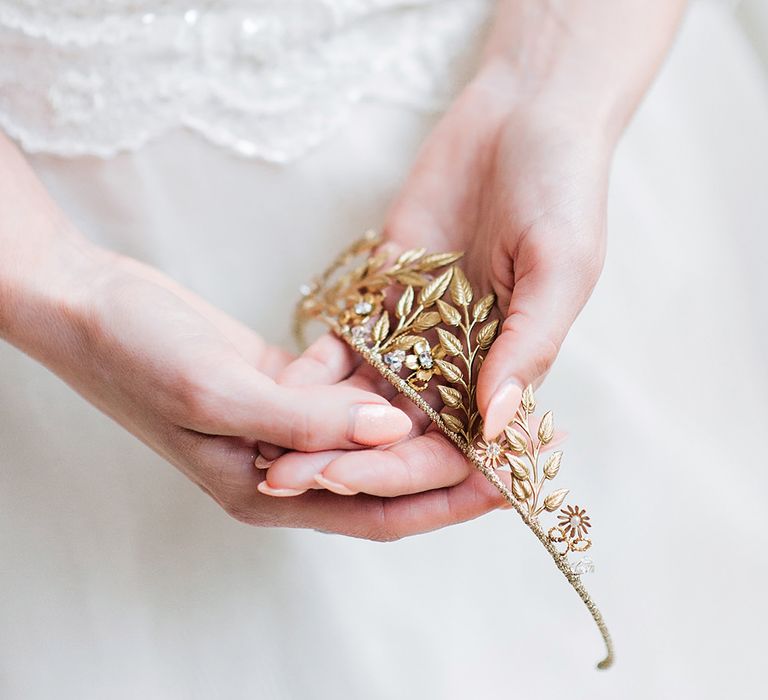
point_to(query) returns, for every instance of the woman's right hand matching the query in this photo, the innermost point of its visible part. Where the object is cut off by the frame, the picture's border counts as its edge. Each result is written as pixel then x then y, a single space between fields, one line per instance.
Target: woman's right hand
pixel 198 387
pixel 194 384
pixel 188 380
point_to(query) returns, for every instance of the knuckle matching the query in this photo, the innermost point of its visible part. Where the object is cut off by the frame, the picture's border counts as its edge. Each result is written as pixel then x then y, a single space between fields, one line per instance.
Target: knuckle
pixel 449 506
pixel 195 399
pixel 247 515
pixel 238 511
pixel 383 536
pixel 229 501
pixel 244 509
pixel 591 265
pixel 400 477
pixel 305 366
pixel 382 528
pixel 303 434
pixel 544 354
pixel 586 257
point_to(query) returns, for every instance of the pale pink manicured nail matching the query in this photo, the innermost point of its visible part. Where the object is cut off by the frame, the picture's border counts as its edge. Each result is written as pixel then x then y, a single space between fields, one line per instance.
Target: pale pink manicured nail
pixel 261 462
pixel 267 490
pixel 502 408
pixel 334 486
pixel 376 424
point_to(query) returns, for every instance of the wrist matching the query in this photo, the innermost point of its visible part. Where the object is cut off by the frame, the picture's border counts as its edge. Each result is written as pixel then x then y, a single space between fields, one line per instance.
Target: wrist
pixel 546 106
pixel 590 60
pixel 44 293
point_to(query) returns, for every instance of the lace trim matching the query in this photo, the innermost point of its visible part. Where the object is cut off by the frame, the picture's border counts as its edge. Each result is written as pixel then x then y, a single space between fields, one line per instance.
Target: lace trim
pixel 268 79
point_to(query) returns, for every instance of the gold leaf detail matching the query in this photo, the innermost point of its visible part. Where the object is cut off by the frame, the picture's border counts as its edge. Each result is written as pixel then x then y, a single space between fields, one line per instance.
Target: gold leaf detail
pixel 425 321
pixel 450 396
pixel 555 500
pixel 405 303
pixel 546 428
pixel 529 402
pixel 461 290
pixel 376 282
pixel 436 288
pixel 521 489
pixel 381 328
pixel 516 440
pixel 450 371
pixel 452 422
pixel 552 465
pixel 374 262
pixel 483 307
pixel 519 468
pixel 430 262
pixel 406 342
pixel 449 315
pixel 411 277
pixel 410 256
pixel 486 334
pixel 451 344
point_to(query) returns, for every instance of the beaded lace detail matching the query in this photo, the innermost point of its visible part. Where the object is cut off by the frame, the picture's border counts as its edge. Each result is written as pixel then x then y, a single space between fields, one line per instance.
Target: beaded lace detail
pixel 265 78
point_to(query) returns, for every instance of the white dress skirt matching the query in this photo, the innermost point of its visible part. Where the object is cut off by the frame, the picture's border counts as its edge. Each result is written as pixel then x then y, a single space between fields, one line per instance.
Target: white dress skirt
pixel 119 579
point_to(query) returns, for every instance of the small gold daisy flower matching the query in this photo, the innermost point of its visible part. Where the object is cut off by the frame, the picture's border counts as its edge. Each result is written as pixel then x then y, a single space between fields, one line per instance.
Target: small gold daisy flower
pixel 574 521
pixel 360 308
pixel 422 363
pixel 490 453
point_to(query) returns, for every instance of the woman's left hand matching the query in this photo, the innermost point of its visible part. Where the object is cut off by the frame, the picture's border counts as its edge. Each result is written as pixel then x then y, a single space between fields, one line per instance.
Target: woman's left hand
pixel 523 193
pixel 522 189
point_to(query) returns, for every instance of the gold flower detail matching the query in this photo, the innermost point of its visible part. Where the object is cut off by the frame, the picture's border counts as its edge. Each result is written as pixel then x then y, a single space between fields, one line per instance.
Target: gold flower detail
pixel 360 308
pixel 574 521
pixel 490 453
pixel 422 363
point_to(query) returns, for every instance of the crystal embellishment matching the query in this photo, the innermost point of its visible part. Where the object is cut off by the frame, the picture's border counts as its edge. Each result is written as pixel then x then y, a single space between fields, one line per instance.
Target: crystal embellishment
pixel 585 565
pixel 363 308
pixel 394 360
pixel 425 360
pixel 361 333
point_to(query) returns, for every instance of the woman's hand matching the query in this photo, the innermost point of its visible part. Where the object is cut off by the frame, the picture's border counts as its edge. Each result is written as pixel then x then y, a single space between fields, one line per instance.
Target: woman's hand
pixel 191 382
pixel 194 384
pixel 515 174
pixel 420 483
pixel 517 192
pixel 523 191
pixel 199 389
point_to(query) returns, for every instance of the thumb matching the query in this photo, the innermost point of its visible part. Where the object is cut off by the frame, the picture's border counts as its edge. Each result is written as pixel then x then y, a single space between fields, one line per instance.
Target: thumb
pixel 541 310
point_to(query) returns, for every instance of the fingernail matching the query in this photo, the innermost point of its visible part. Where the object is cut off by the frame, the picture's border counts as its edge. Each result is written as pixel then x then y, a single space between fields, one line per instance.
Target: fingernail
pixel 268 490
pixel 502 408
pixel 376 424
pixel 262 462
pixel 334 486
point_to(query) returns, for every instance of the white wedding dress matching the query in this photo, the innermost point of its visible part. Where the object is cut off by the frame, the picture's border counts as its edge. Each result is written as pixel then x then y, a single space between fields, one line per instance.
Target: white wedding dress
pixel 212 141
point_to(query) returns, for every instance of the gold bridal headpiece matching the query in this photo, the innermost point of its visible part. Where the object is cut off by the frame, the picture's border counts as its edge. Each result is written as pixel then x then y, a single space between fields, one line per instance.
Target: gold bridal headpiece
pixel 418 321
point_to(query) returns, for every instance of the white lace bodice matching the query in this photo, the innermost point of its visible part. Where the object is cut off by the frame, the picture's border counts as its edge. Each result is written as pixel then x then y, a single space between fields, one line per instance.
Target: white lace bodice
pixel 265 78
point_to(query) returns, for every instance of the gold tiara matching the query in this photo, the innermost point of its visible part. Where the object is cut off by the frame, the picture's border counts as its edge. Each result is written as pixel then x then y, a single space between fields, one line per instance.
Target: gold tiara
pixel 418 321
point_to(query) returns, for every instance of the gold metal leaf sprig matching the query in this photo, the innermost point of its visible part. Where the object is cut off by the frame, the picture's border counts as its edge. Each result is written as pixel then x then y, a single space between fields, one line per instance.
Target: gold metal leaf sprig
pixel 422 325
